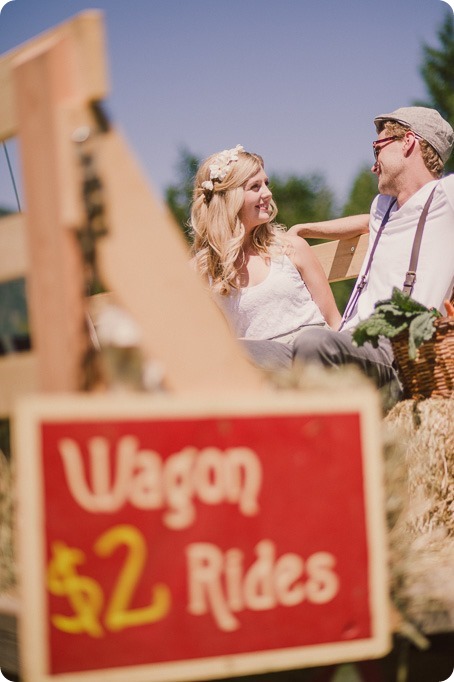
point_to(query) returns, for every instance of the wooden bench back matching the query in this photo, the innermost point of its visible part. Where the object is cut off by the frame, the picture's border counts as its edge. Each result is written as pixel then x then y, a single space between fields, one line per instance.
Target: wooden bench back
pixel 342 259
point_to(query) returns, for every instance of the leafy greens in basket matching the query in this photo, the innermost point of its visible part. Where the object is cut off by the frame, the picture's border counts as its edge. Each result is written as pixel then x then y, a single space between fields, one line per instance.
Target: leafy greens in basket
pixel 393 316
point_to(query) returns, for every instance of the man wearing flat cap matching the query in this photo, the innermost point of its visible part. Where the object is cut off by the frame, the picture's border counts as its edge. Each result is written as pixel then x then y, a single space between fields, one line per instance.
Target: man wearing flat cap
pixel 412 146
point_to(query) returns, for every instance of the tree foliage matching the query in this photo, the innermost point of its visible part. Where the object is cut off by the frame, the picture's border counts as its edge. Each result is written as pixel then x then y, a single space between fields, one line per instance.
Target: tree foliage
pixel 364 189
pixel 179 195
pixel 437 71
pixel 301 199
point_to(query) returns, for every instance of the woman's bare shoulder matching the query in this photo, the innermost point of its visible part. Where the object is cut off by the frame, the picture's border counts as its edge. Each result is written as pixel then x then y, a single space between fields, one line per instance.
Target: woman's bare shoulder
pixel 298 244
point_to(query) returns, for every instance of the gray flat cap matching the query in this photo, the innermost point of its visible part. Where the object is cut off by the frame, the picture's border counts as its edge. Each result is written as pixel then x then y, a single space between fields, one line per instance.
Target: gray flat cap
pixel 428 124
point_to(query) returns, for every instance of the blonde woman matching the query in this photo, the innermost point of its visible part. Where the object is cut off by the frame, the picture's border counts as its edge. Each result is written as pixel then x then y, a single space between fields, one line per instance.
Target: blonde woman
pixel 268 283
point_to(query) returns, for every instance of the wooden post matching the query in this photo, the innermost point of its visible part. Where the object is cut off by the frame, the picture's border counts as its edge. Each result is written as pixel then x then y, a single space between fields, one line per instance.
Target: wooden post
pixel 86 33
pixel 46 80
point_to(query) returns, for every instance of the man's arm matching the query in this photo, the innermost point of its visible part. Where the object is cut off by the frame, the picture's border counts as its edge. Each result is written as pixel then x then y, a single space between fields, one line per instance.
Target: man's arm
pixel 339 228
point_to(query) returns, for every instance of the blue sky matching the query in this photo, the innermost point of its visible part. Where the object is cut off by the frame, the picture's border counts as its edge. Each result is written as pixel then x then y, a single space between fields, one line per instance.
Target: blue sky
pixel 297 81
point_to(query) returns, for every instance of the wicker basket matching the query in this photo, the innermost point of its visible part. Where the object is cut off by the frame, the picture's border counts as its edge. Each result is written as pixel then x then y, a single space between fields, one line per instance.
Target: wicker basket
pixel 431 374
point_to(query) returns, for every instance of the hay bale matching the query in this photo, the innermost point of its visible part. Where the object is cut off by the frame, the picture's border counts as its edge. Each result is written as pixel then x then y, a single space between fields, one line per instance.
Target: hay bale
pixel 420 498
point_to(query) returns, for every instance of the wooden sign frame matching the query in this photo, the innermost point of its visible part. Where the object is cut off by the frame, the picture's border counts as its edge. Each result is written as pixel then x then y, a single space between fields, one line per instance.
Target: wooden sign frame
pixel 37 507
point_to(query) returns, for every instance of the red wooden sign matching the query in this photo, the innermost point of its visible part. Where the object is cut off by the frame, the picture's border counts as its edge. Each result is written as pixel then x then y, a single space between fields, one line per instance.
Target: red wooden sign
pixel 172 540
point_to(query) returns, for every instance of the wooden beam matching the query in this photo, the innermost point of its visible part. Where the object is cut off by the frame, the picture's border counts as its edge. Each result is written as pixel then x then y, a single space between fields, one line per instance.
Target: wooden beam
pixel 86 30
pixel 47 80
pixel 18 372
pixel 13 247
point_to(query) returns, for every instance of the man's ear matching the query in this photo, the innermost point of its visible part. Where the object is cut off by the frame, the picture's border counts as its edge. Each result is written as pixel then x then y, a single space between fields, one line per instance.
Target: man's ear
pixel 409 142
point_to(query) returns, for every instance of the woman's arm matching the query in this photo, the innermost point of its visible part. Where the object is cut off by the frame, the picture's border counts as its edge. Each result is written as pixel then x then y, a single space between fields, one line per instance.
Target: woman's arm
pixel 339 228
pixel 314 278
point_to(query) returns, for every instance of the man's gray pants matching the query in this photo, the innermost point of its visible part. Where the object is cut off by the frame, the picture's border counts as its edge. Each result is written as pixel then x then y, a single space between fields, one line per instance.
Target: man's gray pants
pixel 326 347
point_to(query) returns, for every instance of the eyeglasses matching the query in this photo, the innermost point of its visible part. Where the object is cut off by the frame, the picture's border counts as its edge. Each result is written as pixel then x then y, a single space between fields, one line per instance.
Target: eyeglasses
pixel 377 145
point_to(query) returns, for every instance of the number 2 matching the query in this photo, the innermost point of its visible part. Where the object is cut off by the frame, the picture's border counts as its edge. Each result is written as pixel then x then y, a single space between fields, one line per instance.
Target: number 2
pixel 86 595
pixel 118 615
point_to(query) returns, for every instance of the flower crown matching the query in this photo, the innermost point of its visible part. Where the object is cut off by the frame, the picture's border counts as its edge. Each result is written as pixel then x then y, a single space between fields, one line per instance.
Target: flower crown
pixel 220 168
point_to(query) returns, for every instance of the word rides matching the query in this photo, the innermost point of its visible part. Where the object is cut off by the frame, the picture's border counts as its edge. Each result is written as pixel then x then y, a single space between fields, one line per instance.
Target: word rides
pixel 219 584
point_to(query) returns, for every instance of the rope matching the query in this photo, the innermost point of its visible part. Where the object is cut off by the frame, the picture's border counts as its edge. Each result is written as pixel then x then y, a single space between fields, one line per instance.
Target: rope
pixel 12 177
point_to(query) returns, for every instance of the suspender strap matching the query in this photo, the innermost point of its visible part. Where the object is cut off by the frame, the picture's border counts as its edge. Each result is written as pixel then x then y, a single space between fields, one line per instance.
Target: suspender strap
pixel 410 277
pixel 362 281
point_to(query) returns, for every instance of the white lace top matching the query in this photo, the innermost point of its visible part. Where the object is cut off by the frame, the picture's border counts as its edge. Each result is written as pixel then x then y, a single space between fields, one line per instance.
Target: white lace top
pixel 279 305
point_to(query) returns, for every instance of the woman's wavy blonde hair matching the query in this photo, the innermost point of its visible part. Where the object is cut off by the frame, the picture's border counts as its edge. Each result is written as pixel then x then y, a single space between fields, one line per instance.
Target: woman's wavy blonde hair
pixel 217 232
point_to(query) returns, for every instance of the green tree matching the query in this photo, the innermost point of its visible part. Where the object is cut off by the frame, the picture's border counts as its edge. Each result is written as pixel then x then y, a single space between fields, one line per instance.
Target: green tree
pixel 437 70
pixel 363 190
pixel 179 195
pixel 301 199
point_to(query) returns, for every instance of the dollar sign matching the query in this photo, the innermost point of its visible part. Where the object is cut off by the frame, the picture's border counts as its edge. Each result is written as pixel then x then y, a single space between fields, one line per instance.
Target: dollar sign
pixel 84 594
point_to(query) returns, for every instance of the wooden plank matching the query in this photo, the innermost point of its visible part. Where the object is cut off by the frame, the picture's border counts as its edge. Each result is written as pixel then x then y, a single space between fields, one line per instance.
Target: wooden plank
pixel 13 247
pixel 46 82
pixel 87 30
pixel 18 377
pixel 342 259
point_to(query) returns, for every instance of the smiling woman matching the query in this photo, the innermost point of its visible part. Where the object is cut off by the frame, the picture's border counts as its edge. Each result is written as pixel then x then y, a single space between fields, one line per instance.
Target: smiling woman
pixel 257 197
pixel 268 283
